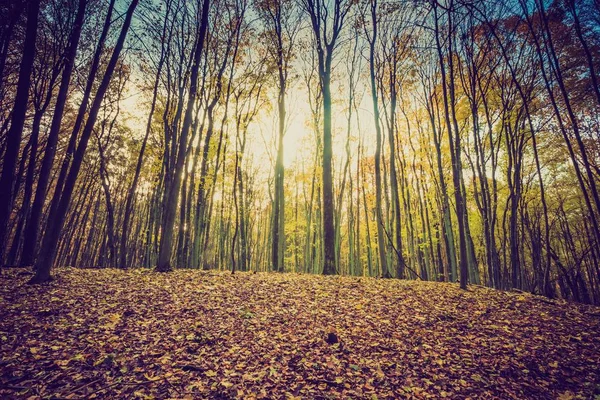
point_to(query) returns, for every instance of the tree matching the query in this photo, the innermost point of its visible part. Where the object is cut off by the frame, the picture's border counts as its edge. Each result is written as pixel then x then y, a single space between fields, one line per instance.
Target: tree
pixel 165 37
pixel 166 247
pixel 13 141
pixel 33 223
pixel 327 21
pixel 56 222
pixel 449 101
pixel 381 238
pixel 282 24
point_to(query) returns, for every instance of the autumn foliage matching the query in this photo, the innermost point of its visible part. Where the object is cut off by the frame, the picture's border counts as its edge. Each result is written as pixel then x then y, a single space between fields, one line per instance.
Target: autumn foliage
pixel 192 334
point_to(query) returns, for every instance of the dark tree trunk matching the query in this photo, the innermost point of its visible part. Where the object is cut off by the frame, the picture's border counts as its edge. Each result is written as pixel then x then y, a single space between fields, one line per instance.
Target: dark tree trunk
pixel 33 225
pixel 13 140
pixel 138 168
pixel 166 243
pixel 55 222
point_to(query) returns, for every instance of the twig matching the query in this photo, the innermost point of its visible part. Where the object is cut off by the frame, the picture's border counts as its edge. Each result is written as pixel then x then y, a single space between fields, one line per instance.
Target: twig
pixel 400 255
pixel 83 386
pixel 173 386
pixel 190 367
pixel 11 387
pixel 331 383
pixel 119 383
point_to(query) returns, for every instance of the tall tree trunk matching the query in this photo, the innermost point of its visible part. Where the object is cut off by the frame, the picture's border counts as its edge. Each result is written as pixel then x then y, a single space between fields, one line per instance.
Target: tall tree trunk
pixel 278 231
pixel 166 247
pixel 138 167
pixel 381 238
pixel 55 222
pixel 451 273
pixel 454 143
pixel 33 226
pixel 13 140
pixel 329 267
pixel 400 267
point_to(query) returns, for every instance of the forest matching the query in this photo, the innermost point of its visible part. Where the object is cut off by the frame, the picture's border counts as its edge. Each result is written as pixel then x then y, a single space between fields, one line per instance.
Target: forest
pixel 365 150
pixel 445 142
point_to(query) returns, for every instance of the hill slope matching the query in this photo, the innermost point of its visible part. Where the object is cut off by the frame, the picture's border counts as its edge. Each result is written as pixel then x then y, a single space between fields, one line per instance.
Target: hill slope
pixel 193 334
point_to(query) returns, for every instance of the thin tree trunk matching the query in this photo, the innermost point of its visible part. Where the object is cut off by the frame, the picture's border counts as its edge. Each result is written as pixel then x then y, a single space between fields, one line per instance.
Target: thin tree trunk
pixel 13 140
pixel 166 248
pixel 55 222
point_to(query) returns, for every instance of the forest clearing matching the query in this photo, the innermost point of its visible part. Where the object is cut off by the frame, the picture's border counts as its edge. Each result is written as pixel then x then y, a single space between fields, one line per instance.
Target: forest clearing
pixel 207 334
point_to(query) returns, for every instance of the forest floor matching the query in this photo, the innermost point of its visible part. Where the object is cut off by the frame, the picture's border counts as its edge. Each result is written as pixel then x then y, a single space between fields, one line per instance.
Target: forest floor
pixel 196 334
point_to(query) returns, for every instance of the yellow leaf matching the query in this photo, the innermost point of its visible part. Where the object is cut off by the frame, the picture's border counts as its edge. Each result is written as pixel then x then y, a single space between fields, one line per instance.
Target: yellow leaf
pixel 62 363
pixel 140 394
pixel 210 373
pixel 568 395
pixel 476 377
pixel 115 317
pixel 34 350
pixel 151 378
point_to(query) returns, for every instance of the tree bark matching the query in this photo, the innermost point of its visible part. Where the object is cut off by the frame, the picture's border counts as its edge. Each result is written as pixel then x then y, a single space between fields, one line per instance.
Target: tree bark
pixel 13 140
pixel 166 247
pixel 55 222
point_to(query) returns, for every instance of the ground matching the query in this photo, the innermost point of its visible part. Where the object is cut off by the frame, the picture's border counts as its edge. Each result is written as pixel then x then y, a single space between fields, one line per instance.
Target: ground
pixel 195 334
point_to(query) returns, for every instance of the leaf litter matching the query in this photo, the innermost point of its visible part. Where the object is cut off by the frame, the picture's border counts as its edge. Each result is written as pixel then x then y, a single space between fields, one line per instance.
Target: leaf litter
pixel 205 334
